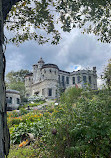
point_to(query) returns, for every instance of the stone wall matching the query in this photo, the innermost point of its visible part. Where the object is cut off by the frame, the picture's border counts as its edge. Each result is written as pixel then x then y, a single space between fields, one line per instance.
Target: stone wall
pixel 41 89
pixel 49 76
pixel 14 104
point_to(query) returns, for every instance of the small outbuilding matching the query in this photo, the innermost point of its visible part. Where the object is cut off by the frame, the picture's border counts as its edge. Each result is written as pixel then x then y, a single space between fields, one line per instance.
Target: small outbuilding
pixel 13 99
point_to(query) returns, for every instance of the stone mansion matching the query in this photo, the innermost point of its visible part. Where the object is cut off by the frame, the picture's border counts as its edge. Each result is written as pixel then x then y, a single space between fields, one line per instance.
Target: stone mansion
pixel 46 79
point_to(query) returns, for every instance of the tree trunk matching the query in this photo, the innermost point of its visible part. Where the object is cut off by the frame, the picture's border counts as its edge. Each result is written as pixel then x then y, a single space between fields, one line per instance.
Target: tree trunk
pixel 4 132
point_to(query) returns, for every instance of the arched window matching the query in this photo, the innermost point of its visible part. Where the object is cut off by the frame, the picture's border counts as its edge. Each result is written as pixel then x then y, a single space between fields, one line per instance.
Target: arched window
pixel 50 70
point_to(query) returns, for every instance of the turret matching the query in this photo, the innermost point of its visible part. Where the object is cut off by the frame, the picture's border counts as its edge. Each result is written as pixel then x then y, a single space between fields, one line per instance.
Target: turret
pixel 37 76
pixel 40 63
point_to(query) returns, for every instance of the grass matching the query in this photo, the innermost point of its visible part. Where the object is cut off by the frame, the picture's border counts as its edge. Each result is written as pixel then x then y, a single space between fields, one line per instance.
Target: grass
pixel 24 152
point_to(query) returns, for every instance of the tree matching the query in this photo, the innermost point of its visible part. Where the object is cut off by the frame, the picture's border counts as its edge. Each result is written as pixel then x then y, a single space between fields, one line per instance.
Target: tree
pixel 17 76
pixel 107 75
pixel 16 81
pixel 94 16
pixel 76 13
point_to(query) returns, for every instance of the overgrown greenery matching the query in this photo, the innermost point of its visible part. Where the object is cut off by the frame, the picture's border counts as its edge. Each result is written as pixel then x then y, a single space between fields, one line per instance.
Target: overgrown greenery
pixel 78 127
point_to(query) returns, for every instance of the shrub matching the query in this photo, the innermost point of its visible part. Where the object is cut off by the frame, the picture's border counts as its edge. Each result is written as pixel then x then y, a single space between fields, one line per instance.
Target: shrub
pixel 23 128
pixel 71 95
pixel 83 130
pixel 23 111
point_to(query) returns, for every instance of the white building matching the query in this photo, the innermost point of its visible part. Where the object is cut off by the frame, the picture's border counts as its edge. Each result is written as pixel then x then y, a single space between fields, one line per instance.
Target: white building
pixel 46 79
pixel 13 99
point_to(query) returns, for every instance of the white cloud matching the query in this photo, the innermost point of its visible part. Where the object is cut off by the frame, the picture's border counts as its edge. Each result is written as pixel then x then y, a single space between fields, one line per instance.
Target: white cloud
pixel 15 62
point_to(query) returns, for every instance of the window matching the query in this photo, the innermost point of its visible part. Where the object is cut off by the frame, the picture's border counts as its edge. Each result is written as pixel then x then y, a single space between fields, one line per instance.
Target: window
pixel 78 79
pixel 56 92
pixel 73 80
pixel 59 78
pixel 10 100
pixel 90 80
pixel 67 80
pixel 50 71
pixel 63 80
pixel 18 101
pixel 50 92
pixel 84 79
pixel 7 99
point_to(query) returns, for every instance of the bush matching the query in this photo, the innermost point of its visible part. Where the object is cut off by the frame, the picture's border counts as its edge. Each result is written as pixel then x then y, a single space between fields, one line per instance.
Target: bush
pixel 23 128
pixel 83 130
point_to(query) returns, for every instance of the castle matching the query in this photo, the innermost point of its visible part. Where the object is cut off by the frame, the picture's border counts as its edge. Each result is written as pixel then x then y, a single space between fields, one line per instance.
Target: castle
pixel 46 79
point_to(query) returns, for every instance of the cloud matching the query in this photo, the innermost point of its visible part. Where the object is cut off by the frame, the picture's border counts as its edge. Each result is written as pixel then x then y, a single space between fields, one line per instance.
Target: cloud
pixel 15 60
pixel 75 49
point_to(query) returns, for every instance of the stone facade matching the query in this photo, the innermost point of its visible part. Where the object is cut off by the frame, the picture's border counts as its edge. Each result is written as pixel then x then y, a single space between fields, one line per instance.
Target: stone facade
pixel 13 99
pixel 46 79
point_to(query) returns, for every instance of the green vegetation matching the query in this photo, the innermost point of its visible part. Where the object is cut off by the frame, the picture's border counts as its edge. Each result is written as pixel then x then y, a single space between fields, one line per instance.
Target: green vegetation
pixel 27 152
pixel 92 16
pixel 16 81
pixel 107 75
pixel 36 103
pixel 78 127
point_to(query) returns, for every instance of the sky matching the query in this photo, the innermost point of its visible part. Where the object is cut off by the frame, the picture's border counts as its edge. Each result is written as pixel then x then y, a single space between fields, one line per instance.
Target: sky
pixel 75 51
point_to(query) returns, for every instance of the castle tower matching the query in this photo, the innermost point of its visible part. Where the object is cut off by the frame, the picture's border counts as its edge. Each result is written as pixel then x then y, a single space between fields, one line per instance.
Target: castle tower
pixel 40 63
pixel 37 74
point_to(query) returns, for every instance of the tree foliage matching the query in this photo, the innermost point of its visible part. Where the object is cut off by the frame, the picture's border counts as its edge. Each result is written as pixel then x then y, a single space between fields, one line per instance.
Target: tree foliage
pixel 107 74
pixel 94 16
pixel 15 81
pixel 32 19
pixel 16 76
